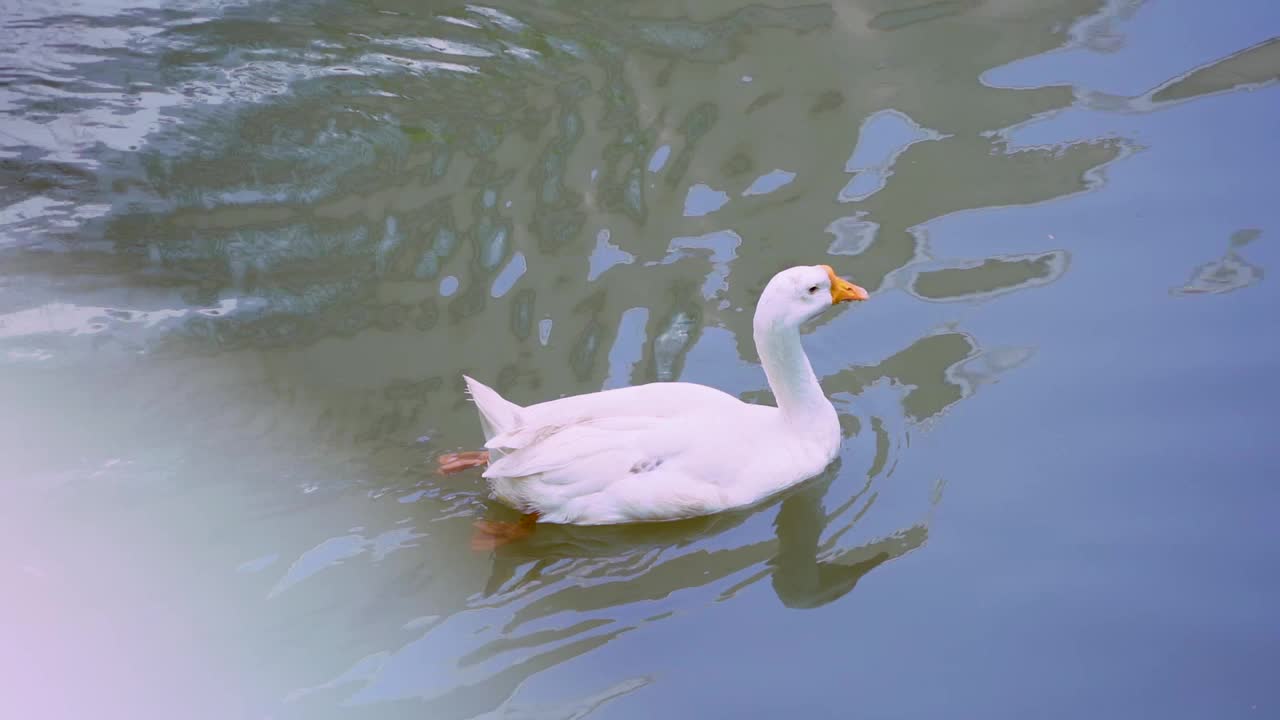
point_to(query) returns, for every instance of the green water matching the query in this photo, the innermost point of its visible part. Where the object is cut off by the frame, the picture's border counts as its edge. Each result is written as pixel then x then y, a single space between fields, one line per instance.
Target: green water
pixel 247 251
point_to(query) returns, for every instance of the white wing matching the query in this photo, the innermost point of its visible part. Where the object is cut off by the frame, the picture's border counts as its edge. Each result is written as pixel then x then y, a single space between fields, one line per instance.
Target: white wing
pixel 604 447
pixel 606 471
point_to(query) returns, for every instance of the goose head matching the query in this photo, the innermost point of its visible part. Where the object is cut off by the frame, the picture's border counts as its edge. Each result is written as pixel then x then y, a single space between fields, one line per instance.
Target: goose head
pixel 799 294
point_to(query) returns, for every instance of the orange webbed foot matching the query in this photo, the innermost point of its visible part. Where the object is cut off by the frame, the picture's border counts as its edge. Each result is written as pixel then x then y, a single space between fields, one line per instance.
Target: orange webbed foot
pixel 493 534
pixel 457 462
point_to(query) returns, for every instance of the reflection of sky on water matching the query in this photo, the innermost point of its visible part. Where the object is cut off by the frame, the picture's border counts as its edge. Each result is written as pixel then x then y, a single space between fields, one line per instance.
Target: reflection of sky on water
pixel 769 182
pixel 720 248
pixel 605 256
pixel 882 138
pixel 704 200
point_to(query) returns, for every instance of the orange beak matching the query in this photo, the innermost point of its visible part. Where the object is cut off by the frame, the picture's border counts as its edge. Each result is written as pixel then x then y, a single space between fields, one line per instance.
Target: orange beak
pixel 842 290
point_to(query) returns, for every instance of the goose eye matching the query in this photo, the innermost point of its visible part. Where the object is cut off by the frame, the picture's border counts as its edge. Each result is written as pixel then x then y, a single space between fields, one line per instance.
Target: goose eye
pixel 813 289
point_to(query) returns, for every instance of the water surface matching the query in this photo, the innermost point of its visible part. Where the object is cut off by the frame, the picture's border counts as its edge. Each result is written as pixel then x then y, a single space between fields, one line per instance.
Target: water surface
pixel 247 251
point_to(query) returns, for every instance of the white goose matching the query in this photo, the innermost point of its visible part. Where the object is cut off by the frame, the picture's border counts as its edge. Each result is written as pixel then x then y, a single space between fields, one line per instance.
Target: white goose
pixel 666 450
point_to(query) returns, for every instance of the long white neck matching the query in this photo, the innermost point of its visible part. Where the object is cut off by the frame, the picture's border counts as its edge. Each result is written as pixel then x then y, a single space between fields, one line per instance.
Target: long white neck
pixel 791 377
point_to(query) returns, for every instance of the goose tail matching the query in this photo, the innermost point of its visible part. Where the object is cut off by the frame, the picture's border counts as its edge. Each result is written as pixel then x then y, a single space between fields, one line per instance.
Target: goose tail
pixel 497 414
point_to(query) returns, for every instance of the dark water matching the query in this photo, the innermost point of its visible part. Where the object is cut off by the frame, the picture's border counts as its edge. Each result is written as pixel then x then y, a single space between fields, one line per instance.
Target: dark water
pixel 246 251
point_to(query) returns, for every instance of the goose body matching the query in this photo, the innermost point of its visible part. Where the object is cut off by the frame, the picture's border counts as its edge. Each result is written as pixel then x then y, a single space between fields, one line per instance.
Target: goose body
pixel 672 450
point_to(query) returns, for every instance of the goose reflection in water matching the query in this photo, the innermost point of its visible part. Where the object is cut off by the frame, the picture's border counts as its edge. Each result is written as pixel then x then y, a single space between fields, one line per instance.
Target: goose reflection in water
pixel 805 570
pixel 568 590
